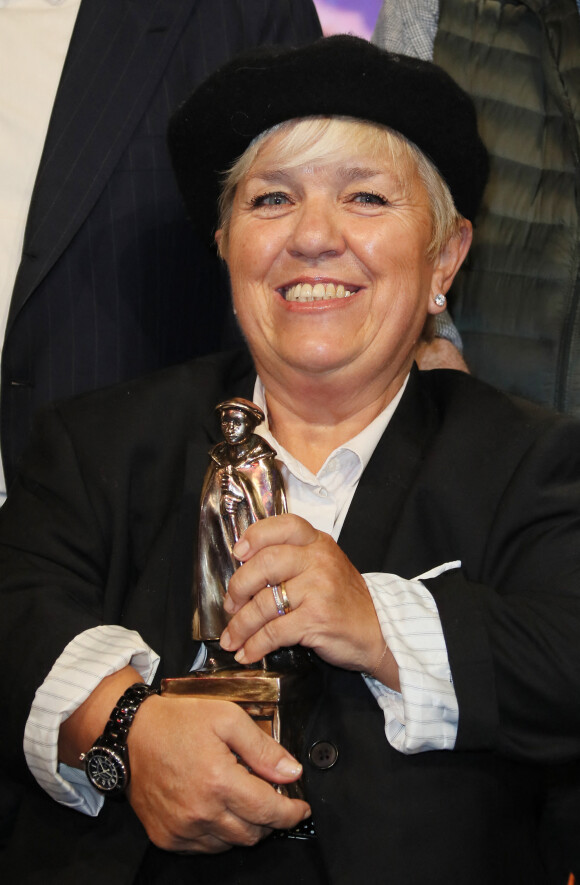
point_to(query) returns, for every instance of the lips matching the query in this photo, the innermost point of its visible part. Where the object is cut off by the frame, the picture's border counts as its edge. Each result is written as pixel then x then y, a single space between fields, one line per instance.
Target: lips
pixel 318 292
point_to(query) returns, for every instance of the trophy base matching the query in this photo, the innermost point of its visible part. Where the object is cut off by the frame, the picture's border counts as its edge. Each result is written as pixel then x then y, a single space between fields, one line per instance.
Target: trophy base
pixel 278 702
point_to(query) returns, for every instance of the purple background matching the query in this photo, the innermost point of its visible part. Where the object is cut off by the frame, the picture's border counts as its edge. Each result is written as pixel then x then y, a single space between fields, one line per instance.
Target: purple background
pixel 348 16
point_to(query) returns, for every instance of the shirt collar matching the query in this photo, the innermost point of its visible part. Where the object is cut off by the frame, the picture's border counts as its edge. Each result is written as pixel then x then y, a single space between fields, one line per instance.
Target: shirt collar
pixel 362 445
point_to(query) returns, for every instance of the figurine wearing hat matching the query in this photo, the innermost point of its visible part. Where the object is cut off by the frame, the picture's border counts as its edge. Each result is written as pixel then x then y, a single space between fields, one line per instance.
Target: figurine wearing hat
pixel 242 484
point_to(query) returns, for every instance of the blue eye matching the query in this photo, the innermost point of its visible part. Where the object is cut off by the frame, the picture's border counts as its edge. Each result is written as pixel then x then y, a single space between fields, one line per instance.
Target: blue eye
pixel 369 198
pixel 274 199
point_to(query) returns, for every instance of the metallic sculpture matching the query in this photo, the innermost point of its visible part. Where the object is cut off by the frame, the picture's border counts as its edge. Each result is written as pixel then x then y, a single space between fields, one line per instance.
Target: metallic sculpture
pixel 242 484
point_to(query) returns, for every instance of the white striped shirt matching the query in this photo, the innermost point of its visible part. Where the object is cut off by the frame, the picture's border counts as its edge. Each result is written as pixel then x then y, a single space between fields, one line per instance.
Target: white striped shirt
pixel 422 717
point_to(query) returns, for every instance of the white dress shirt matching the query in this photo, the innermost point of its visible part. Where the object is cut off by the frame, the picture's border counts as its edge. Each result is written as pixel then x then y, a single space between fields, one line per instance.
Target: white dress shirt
pixel 34 40
pixel 422 717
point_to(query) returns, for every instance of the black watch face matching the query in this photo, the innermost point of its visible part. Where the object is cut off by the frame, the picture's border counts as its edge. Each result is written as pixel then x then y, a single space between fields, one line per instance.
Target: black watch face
pixel 106 770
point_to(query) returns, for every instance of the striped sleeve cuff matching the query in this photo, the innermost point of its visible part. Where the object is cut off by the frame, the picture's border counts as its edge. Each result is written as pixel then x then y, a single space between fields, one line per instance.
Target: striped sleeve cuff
pixel 84 663
pixel 424 715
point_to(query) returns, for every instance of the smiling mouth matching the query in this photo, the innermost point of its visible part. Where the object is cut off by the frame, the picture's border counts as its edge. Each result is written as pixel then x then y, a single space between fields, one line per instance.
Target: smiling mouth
pixel 317 292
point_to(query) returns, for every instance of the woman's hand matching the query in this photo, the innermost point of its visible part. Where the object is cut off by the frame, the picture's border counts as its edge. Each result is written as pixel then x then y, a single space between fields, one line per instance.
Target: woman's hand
pixel 187 786
pixel 331 609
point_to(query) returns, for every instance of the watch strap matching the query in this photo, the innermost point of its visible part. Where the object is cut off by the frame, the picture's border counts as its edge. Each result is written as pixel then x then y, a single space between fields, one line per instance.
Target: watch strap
pixel 116 731
pixel 123 713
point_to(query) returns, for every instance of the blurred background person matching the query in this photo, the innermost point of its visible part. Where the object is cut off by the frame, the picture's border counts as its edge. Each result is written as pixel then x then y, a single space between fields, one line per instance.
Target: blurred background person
pixel 442 344
pixel 516 300
pixel 100 277
pixel 356 17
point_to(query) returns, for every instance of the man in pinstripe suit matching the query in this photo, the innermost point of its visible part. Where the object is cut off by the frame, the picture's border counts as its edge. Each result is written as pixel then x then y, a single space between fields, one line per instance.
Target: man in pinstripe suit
pixel 111 283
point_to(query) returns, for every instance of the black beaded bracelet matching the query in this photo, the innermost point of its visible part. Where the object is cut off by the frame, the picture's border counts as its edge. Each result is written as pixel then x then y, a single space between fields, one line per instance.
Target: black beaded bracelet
pixel 125 710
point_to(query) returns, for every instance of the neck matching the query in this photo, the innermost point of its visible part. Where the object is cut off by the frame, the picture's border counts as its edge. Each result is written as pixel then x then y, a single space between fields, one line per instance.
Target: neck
pixel 310 417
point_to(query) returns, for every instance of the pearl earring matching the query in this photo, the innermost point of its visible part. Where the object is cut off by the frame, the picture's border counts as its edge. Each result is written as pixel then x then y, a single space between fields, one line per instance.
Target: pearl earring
pixel 440 300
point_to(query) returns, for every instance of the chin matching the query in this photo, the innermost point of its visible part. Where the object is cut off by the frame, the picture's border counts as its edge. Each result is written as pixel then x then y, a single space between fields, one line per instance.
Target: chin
pixel 318 361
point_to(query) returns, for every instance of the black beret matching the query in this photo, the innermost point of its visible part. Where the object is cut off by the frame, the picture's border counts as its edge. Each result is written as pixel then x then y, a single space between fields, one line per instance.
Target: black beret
pixel 335 76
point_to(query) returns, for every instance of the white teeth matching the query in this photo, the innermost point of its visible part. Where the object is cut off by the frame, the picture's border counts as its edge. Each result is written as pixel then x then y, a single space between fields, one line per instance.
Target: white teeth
pixel 318 292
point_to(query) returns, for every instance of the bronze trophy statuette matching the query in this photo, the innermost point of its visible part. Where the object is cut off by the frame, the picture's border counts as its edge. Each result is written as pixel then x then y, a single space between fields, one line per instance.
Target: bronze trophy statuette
pixel 243 484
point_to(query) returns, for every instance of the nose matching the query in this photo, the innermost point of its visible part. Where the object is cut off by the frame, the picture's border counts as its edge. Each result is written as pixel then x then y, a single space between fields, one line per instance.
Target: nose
pixel 316 232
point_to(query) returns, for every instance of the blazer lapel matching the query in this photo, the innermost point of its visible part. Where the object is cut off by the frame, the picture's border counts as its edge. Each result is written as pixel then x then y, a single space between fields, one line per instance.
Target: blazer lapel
pixel 117 53
pixel 384 485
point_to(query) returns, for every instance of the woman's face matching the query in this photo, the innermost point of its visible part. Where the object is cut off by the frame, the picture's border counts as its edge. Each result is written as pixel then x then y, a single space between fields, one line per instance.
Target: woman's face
pixel 328 262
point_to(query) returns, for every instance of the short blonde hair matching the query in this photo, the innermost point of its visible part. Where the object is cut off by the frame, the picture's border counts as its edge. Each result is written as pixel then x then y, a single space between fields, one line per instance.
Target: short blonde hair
pixel 313 139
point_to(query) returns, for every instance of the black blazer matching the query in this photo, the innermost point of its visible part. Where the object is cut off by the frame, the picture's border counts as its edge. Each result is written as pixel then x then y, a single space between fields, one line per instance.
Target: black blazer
pixel 112 283
pixel 101 527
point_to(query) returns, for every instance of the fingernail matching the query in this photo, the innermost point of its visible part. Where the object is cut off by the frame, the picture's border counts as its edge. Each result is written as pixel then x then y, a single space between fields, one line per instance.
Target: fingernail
pixel 289 767
pixel 240 655
pixel 241 548
pixel 226 640
pixel 307 813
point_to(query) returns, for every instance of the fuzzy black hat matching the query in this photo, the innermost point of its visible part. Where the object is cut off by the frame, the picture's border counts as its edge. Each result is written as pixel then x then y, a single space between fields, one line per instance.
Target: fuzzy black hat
pixel 342 76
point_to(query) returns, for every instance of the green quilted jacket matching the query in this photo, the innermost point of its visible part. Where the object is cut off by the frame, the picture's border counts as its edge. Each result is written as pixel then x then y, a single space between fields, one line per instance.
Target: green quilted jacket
pixel 517 300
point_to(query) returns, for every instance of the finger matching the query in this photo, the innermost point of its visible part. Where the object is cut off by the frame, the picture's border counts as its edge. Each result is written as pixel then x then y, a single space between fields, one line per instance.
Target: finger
pixel 208 837
pixel 203 844
pixel 211 837
pixel 269 639
pixel 259 806
pixel 252 615
pixel 231 829
pixel 260 752
pixel 253 798
pixel 270 565
pixel 260 628
pixel 284 529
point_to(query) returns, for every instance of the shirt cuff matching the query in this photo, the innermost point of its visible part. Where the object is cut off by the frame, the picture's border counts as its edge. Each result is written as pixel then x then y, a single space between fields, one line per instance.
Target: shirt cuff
pixel 424 715
pixel 85 662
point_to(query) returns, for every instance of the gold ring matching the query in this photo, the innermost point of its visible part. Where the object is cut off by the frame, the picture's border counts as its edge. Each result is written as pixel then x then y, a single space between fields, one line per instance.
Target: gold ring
pixel 281 598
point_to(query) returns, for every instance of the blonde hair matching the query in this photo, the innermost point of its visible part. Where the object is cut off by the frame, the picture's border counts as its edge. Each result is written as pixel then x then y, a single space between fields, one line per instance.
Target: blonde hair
pixel 312 139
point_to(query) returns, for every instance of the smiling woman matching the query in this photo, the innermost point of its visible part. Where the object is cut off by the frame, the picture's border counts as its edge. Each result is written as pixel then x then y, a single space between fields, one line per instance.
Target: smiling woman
pixel 327 227
pixel 428 562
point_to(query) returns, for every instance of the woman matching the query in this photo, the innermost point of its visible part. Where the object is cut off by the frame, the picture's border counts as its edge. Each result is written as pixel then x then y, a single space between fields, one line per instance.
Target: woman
pixel 444 622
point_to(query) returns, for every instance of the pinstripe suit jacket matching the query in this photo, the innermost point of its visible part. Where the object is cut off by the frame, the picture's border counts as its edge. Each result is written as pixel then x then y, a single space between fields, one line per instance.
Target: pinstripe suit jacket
pixel 100 528
pixel 111 282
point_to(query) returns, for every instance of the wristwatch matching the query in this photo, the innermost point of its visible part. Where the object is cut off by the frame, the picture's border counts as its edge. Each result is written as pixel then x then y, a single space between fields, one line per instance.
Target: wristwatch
pixel 107 762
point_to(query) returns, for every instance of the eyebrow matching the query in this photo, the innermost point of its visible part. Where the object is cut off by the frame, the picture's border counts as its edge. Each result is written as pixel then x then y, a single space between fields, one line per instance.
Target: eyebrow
pixel 346 173
pixel 358 173
pixel 354 173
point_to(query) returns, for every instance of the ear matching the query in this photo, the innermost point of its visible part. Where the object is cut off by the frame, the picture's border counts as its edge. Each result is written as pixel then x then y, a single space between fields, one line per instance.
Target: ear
pixel 221 243
pixel 448 262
